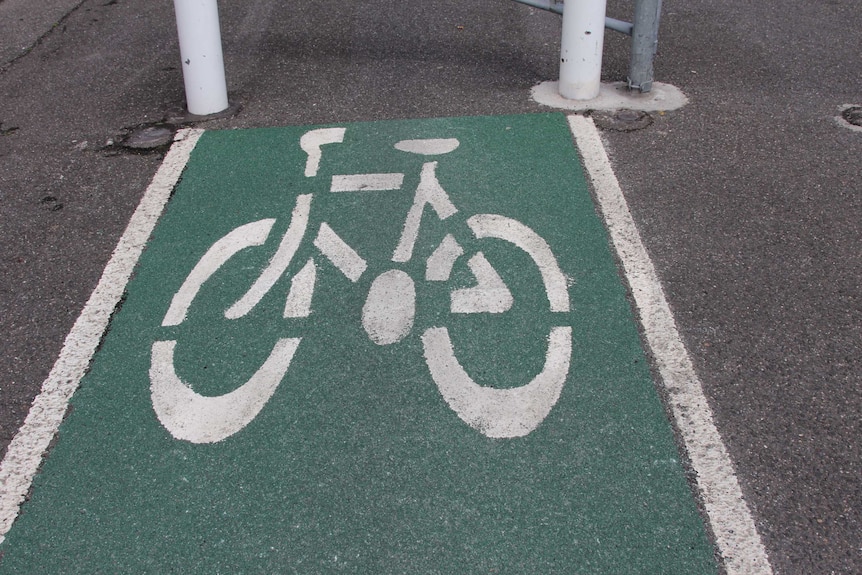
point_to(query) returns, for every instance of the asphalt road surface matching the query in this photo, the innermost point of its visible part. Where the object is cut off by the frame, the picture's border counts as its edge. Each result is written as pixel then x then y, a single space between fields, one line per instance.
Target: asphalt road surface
pixel 748 198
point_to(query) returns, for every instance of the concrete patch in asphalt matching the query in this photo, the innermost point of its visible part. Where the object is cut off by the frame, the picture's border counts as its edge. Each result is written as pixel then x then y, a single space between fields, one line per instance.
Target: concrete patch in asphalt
pixel 613 96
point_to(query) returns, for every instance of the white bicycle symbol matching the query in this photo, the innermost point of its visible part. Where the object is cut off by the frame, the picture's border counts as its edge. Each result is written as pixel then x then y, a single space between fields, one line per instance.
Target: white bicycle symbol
pixel 387 315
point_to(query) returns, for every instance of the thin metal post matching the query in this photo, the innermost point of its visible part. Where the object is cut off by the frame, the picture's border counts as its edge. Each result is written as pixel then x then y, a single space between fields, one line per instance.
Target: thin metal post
pixel 644 44
pixel 556 6
pixel 620 26
pixel 201 53
pixel 581 49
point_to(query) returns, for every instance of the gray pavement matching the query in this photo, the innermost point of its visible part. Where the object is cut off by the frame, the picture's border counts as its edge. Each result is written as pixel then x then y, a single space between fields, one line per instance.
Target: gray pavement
pixel 748 199
pixel 23 24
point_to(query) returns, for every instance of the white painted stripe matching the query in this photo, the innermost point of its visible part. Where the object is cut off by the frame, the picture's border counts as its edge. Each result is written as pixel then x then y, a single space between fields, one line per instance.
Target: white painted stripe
pixel 366 182
pixel 429 192
pixel 736 534
pixel 339 253
pixel 279 262
pixel 298 302
pixel 438 266
pixel 27 448
pixel 513 231
pixel 428 147
pixel 192 417
pixel 311 141
pixel 490 295
pixel 495 412
pixel 249 235
pixel 390 307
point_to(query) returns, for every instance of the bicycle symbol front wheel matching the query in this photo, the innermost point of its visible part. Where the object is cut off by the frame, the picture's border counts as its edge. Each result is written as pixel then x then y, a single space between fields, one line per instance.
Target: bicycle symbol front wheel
pixel 495 412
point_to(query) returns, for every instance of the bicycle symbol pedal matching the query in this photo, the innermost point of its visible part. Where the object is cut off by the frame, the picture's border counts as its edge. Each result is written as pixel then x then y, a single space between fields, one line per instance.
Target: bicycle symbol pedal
pixel 388 313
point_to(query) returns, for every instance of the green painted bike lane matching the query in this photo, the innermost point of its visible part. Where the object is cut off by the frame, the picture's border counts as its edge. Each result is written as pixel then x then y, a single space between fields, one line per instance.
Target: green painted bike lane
pixel 298 378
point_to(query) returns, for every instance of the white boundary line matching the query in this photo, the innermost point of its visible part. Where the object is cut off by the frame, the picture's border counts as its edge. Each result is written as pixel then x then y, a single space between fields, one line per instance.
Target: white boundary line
pixel 25 452
pixel 732 524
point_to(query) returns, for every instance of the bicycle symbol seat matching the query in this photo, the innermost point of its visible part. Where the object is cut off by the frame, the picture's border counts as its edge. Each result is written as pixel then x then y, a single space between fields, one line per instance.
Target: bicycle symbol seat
pixel 387 315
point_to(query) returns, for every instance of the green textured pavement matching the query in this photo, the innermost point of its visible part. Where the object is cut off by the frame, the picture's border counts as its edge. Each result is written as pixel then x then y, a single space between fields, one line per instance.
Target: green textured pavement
pixel 357 463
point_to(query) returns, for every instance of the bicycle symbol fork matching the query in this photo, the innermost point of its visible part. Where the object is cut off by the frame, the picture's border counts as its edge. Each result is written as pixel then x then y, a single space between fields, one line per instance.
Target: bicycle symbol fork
pixel 387 315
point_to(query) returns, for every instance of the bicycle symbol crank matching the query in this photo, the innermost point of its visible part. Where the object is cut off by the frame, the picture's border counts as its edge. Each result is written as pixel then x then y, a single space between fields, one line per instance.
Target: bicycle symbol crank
pixel 387 315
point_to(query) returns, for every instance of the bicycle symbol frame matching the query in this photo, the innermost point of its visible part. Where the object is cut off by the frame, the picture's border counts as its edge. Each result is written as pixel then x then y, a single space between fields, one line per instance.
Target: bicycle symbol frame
pixel 387 315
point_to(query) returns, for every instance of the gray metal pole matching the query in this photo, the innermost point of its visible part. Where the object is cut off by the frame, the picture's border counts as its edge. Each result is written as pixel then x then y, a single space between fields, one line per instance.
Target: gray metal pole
pixel 644 44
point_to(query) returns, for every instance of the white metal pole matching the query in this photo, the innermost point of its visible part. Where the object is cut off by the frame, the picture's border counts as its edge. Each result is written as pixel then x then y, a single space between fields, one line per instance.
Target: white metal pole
pixel 201 53
pixel 581 48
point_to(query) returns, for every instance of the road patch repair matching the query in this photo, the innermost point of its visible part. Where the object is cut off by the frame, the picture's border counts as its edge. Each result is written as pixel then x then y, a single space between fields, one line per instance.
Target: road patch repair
pixel 382 347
